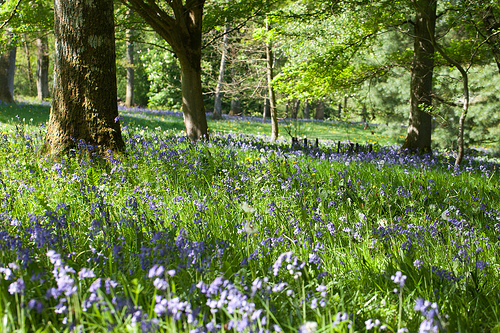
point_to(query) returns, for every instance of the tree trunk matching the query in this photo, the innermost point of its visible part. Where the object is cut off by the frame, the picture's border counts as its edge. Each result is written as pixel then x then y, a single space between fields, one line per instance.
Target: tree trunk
pixel 320 111
pixel 129 59
pixel 42 68
pixel 84 107
pixel 271 94
pixel 5 94
pixel 193 108
pixel 418 137
pixel 28 64
pixel 235 107
pixel 307 107
pixel 182 31
pixel 12 70
pixel 218 94
pixel 295 108
pixel 466 97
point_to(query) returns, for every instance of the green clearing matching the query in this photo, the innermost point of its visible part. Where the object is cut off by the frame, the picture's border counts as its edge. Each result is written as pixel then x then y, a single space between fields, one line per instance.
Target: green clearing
pixel 35 115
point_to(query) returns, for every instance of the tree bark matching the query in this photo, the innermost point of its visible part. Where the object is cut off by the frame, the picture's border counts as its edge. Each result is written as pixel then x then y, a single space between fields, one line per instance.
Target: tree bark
pixel 84 106
pixel 235 107
pixel 5 94
pixel 12 70
pixel 320 111
pixel 418 137
pixel 42 68
pixel 218 94
pixel 295 108
pixel 28 64
pixel 182 31
pixel 129 59
pixel 192 103
pixel 307 107
pixel 271 94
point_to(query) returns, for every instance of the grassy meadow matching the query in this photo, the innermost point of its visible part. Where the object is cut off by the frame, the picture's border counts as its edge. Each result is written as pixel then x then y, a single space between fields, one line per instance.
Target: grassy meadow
pixel 242 235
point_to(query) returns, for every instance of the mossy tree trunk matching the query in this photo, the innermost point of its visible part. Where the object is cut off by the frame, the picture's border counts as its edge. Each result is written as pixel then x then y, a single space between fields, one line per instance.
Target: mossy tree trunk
pixel 84 103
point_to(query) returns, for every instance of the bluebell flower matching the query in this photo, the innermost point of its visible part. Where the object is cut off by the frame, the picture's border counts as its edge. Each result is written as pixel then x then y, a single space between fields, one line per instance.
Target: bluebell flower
pixel 17 287
pixel 399 278
pixel 33 304
pixel 156 270
pixel 86 273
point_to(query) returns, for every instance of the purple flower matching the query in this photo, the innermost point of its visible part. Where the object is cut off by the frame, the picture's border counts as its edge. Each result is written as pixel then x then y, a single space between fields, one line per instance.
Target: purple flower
pixel 86 273
pixel 399 278
pixel 95 285
pixel 160 284
pixel 17 287
pixel 370 323
pixel 156 270
pixel 33 304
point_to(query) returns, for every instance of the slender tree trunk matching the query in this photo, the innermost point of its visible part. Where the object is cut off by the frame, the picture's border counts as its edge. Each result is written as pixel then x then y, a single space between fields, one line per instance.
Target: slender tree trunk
pixel 5 94
pixel 466 97
pixel 42 68
pixel 307 107
pixel 218 94
pixel 418 137
pixel 295 108
pixel 129 59
pixel 28 64
pixel 183 32
pixel 271 94
pixel 84 106
pixel 12 70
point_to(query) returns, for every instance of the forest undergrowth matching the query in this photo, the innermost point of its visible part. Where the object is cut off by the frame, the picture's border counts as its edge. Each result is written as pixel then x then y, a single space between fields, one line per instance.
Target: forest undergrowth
pixel 239 234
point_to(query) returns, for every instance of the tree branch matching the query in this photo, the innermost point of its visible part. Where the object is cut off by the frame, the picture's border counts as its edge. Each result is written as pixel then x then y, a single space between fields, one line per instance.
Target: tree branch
pixel 11 15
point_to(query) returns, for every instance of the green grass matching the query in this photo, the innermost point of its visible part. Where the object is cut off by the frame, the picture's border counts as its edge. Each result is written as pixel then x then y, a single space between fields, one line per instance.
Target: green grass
pixel 34 114
pixel 242 232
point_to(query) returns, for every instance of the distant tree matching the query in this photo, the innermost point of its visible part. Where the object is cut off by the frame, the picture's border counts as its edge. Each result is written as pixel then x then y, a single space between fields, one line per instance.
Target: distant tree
pixel 5 77
pixel 42 67
pixel 222 68
pixel 129 57
pixel 180 23
pixel 84 103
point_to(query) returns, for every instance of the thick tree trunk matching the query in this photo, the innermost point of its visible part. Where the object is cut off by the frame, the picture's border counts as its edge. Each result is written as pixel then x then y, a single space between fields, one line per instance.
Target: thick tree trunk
pixel 129 59
pixel 42 68
pixel 418 137
pixel 235 107
pixel 320 111
pixel 193 108
pixel 218 94
pixel 84 105
pixel 271 94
